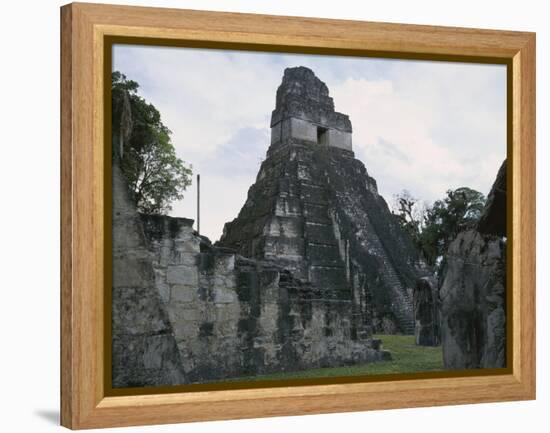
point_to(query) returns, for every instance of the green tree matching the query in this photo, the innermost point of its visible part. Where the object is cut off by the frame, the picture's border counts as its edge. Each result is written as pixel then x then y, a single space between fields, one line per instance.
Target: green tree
pixel 432 228
pixel 149 162
pixel 410 214
pixel 459 210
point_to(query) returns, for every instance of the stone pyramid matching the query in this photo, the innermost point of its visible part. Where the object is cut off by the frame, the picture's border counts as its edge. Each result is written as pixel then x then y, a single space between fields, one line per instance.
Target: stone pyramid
pixel 315 210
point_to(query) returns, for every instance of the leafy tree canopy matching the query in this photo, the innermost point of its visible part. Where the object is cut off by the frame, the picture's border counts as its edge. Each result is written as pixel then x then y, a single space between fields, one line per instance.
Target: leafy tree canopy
pixel 149 161
pixel 433 227
pixel 409 213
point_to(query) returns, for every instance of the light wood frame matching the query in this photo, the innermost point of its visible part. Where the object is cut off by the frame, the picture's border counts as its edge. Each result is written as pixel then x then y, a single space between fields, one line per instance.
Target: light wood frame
pixel 84 403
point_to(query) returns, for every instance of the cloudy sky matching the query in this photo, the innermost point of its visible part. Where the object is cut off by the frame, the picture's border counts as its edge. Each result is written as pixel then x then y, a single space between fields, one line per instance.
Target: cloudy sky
pixel 421 126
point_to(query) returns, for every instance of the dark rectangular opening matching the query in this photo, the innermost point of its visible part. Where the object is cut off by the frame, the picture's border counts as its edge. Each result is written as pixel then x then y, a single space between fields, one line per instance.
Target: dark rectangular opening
pixel 321 135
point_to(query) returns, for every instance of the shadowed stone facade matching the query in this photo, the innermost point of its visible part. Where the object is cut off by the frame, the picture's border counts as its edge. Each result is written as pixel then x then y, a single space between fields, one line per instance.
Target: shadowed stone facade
pixel 144 350
pixel 426 312
pixel 473 291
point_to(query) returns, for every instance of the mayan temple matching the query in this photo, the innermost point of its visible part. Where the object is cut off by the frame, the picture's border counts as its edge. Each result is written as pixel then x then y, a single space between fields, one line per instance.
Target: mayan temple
pixel 315 210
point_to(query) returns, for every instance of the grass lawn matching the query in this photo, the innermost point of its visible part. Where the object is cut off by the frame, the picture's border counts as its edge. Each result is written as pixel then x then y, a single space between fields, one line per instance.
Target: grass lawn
pixel 407 357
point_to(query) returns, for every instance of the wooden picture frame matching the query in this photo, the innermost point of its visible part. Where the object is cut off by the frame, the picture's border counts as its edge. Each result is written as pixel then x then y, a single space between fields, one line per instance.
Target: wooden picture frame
pixel 85 31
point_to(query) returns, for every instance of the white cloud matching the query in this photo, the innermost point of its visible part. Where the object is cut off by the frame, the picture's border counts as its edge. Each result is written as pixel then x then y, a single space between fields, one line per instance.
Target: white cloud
pixel 423 126
pixel 203 95
pixel 429 127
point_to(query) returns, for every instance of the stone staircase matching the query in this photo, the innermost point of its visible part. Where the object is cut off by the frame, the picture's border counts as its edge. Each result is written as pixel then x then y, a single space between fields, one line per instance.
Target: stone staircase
pixel 402 304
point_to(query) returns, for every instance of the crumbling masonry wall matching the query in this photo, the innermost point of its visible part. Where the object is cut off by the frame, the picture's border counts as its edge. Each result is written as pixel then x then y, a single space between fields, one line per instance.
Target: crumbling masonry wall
pixel 237 317
pixel 144 351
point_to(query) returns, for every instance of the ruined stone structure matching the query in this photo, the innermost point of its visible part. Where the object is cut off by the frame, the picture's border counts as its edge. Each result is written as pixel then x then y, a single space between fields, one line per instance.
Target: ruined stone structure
pixel 426 312
pixel 312 266
pixel 315 211
pixel 473 292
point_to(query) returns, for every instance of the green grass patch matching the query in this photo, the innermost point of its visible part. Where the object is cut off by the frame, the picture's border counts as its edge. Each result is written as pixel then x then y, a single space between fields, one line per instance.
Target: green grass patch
pixel 407 357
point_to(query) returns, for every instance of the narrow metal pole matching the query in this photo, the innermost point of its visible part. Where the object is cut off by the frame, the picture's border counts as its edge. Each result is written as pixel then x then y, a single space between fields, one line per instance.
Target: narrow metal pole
pixel 199 204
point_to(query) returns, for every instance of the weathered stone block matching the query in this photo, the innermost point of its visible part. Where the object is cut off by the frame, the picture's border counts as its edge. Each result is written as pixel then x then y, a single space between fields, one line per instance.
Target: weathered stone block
pixel 303 172
pixel 227 312
pixel 283 247
pixel 303 130
pixel 339 139
pixel 190 246
pixel 132 271
pixel 182 258
pixel 187 314
pixel 276 133
pixel 224 295
pixel 161 285
pixel 182 274
pixel 225 263
pixel 183 293
pixel 289 227
pixel 147 361
pixel 227 328
pixel 287 206
pixel 313 194
pixel 324 255
pixel 332 280
pixel 320 233
pixel 475 275
pixel 135 311
pixel 124 240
